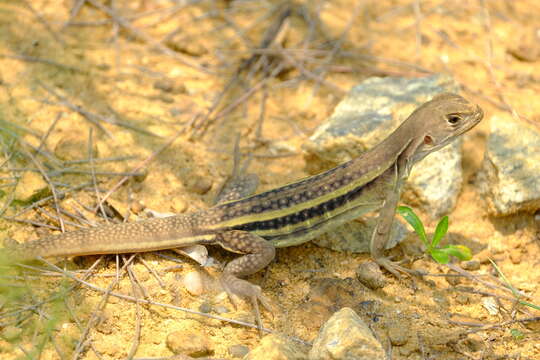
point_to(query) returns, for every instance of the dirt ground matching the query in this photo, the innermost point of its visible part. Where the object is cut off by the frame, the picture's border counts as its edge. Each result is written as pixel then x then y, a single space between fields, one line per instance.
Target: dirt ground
pixel 159 91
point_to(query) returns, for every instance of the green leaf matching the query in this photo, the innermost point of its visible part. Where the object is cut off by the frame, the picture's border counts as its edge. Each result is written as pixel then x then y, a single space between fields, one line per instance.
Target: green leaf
pixel 526 303
pixel 460 251
pixel 440 256
pixel 516 334
pixel 408 214
pixel 440 231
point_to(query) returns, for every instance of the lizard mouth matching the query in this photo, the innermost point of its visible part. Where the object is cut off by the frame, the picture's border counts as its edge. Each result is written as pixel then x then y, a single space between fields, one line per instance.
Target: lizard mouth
pixel 476 116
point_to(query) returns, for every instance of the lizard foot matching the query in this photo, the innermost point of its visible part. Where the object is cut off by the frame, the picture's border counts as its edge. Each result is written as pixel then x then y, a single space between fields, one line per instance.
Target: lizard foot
pixel 257 253
pixel 395 268
pixel 235 286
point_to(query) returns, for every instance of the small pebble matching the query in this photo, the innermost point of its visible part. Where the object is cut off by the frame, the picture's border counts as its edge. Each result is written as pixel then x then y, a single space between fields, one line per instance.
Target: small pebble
pixel 491 305
pixel 164 98
pixel 170 86
pixel 453 280
pixel 137 207
pixel 462 299
pixel 346 336
pixel 370 274
pixel 220 309
pixel 398 334
pixel 515 256
pixel 165 85
pixel 474 342
pixel 141 176
pixel 189 343
pixel 483 256
pixel 193 283
pixel 238 351
pixel 187 46
pixel 199 185
pixel 471 265
pixel 136 187
pixel 205 307
pixel 179 206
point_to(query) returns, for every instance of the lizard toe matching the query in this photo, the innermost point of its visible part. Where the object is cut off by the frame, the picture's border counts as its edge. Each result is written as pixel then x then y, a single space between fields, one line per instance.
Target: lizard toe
pixel 242 288
pixel 395 268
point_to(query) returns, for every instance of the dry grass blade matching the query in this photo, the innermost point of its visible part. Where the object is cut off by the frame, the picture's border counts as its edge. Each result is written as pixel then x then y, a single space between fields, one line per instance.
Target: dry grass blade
pixel 93 118
pixel 42 20
pixel 51 186
pixel 135 287
pixel 108 292
pixel 477 279
pixel 143 36
pixel 83 341
pixel 141 165
pixel 33 59
pixel 94 179
pixel 272 35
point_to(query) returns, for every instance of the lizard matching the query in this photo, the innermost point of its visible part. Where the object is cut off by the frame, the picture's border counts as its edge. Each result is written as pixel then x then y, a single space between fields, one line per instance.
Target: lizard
pixel 254 225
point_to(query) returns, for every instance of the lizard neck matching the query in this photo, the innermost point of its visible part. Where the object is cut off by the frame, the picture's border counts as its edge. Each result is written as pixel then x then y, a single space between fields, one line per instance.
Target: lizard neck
pixel 401 143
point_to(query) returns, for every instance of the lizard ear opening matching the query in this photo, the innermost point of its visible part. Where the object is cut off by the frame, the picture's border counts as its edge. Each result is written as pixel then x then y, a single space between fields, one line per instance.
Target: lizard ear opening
pixel 428 140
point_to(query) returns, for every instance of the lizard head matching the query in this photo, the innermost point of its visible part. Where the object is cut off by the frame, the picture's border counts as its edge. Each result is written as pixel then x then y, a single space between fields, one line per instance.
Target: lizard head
pixel 447 116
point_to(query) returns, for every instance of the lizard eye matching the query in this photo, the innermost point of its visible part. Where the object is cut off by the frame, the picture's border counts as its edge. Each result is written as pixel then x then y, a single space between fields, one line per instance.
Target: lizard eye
pixel 453 118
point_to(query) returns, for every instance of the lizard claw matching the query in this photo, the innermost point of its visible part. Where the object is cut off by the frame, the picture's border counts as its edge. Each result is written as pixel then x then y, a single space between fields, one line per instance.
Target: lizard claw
pixel 235 286
pixel 395 268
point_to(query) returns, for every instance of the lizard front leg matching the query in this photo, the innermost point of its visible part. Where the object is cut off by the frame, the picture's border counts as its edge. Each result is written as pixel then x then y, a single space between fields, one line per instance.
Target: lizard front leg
pixel 258 253
pixel 237 187
pixel 381 233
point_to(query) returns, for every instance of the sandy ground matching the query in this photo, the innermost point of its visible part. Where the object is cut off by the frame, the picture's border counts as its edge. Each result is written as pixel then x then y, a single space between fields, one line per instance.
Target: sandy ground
pixel 132 87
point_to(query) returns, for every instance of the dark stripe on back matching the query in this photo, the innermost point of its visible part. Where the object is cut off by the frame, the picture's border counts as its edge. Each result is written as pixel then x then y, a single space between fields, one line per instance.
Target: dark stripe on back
pixel 305 214
pixel 268 201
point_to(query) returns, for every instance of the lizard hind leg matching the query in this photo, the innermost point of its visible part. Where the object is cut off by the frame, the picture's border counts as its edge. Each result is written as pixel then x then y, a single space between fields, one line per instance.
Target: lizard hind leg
pixel 257 253
pixel 240 183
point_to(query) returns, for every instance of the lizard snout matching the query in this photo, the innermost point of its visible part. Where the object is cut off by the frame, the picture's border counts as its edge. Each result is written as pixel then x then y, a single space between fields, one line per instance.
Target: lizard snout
pixel 478 113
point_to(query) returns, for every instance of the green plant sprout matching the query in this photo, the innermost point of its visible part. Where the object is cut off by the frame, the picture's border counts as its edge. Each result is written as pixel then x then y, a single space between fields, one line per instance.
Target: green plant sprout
pixel 439 254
